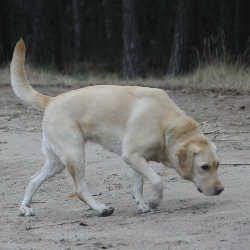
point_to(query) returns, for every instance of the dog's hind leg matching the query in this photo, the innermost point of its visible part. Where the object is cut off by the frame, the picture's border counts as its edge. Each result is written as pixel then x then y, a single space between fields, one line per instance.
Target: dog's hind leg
pixel 51 167
pixel 76 167
pixel 82 191
pixel 68 141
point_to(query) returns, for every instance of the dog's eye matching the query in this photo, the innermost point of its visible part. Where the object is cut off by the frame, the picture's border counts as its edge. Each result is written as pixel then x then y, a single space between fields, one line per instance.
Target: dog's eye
pixel 205 167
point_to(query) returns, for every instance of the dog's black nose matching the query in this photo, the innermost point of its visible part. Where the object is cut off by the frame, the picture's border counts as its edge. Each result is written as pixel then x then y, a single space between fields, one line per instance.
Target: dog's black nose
pixel 219 190
pixel 199 190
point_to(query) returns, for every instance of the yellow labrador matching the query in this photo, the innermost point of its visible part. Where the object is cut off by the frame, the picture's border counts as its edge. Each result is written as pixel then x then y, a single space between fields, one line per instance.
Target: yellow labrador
pixel 138 123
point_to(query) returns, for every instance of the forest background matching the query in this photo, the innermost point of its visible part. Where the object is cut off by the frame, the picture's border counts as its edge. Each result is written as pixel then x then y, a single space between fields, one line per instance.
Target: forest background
pixel 203 43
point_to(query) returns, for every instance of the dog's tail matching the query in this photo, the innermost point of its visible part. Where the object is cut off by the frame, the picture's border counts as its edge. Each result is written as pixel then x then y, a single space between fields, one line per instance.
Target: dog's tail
pixel 19 82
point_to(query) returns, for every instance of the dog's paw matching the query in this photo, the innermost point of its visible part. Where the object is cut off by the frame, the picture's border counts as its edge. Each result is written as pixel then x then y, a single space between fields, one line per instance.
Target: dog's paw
pixel 142 208
pixel 26 211
pixel 106 212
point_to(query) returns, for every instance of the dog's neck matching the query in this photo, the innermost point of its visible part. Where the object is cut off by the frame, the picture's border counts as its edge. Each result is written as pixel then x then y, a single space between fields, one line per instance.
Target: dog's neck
pixel 180 127
pixel 177 131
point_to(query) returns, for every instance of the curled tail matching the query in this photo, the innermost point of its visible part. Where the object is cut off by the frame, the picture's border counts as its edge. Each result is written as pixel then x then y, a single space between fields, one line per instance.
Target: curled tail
pixel 19 82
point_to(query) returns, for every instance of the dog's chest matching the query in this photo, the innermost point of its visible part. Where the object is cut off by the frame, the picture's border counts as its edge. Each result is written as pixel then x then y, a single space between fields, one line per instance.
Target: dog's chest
pixel 110 139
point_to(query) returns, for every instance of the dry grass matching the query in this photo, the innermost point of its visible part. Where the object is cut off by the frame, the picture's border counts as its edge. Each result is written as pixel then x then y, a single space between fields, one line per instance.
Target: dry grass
pixel 219 76
pixel 214 76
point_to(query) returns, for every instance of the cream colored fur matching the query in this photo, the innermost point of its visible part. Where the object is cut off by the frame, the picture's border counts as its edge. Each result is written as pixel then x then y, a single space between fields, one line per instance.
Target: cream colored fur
pixel 140 124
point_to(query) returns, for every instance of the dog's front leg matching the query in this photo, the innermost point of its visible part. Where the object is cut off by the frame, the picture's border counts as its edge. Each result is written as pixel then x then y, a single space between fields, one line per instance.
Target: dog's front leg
pixel 141 205
pixel 139 164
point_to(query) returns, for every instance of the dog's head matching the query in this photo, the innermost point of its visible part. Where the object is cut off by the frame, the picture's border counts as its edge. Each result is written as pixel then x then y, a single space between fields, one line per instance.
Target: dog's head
pixel 197 162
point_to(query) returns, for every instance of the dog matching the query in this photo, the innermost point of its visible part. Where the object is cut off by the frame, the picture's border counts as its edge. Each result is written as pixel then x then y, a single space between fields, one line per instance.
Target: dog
pixel 140 124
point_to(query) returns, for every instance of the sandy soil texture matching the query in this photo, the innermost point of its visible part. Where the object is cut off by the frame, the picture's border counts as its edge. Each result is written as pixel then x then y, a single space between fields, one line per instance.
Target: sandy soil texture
pixel 185 220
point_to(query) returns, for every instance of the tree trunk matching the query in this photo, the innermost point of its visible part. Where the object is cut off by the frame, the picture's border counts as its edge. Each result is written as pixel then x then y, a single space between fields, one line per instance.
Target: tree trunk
pixel 5 48
pixel 180 53
pixel 77 30
pixel 37 39
pixel 129 69
pixel 241 29
pixel 59 25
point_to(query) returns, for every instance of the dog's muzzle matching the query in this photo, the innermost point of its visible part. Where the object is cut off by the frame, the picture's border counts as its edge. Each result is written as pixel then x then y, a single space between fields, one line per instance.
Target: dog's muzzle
pixel 218 190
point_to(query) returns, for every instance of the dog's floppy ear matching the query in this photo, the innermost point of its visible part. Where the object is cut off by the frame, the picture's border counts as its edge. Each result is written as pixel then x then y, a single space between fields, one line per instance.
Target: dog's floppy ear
pixel 185 156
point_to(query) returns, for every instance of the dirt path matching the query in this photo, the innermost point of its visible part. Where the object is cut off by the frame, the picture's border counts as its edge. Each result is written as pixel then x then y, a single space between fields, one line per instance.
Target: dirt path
pixel 185 220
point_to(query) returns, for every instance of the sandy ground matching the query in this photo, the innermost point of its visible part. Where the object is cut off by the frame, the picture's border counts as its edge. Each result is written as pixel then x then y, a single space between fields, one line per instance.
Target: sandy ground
pixel 185 220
